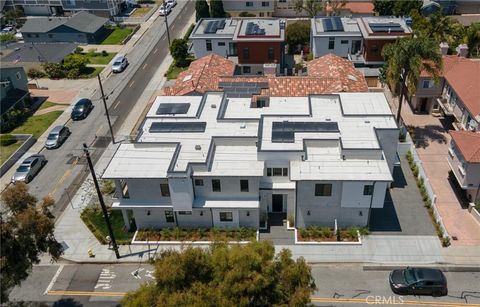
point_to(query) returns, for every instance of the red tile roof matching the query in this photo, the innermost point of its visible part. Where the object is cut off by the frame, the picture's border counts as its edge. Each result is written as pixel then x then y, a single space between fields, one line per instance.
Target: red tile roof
pixel 201 76
pixel 356 7
pixel 468 143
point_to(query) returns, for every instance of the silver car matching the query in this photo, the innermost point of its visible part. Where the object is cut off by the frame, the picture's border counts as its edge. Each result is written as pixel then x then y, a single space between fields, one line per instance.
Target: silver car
pixel 119 64
pixel 57 136
pixel 29 168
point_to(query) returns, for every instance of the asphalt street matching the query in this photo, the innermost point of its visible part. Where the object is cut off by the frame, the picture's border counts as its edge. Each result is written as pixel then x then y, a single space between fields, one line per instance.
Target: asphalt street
pixel 66 169
pixel 338 285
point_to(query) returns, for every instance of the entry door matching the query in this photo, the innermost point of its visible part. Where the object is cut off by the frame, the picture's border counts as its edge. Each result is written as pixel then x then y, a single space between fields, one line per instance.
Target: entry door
pixel 423 105
pixel 277 203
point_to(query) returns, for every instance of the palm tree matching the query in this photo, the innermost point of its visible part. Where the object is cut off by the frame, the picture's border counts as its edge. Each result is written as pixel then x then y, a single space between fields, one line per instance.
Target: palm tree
pixel 406 59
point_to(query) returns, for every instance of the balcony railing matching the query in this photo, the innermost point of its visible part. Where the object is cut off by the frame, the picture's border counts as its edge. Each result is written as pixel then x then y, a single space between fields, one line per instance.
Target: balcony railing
pixel 446 107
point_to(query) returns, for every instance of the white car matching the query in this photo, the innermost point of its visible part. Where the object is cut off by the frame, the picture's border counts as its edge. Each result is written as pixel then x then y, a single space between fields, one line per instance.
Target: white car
pixel 172 3
pixel 119 64
pixel 165 9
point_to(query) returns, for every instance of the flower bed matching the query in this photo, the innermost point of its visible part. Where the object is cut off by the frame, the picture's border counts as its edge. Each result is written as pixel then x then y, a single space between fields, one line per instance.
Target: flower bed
pixel 200 234
pixel 327 234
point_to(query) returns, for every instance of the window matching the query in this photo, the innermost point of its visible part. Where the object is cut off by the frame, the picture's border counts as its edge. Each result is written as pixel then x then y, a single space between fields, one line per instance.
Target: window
pixel 208 44
pixel 269 172
pixel 226 217
pixel 262 102
pixel 221 43
pixel 29 35
pixel 232 49
pixel 216 185
pixel 246 53
pixel 18 75
pixel 331 43
pixel 368 190
pixel 427 84
pixel 36 35
pixel 265 3
pixel 246 69
pixel 50 35
pixel 185 212
pixel 244 185
pixel 164 189
pixel 262 14
pixel 282 1
pixel 323 189
pixel 124 187
pixel 277 171
pixel 199 182
pixel 271 53
pixel 249 3
pixel 285 172
pixel 169 217
pixel 343 42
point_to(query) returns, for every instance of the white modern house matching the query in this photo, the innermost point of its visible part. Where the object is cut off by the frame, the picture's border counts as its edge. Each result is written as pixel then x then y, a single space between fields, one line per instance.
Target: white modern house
pixel 338 35
pixel 226 160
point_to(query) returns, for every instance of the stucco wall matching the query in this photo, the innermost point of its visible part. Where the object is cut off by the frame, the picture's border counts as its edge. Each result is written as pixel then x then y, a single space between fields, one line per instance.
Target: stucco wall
pixel 320 45
pixel 156 219
pixel 230 188
pixel 147 190
pixel 200 47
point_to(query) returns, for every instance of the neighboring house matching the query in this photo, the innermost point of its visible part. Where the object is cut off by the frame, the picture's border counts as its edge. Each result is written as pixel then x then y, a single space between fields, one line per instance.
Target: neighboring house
pixel 467 7
pixel 338 35
pixel 447 7
pixel 376 33
pixel 327 74
pixel 464 160
pixel 258 8
pixel 82 28
pixel 220 160
pixel 13 91
pixel 250 42
pixel 353 9
pixel 105 8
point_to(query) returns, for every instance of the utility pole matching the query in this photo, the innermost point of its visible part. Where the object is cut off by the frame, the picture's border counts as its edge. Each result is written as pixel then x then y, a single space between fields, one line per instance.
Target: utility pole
pixel 106 109
pixel 100 199
pixel 166 22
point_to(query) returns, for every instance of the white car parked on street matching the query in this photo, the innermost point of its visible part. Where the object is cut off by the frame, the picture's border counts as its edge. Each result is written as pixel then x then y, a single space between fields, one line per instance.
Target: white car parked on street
pixel 165 9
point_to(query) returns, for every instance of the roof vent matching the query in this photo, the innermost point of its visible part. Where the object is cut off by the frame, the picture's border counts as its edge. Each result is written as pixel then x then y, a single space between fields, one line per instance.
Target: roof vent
pixel 198 147
pixel 352 78
pixel 367 122
pixel 243 125
pixel 186 78
pixel 213 106
pixel 328 119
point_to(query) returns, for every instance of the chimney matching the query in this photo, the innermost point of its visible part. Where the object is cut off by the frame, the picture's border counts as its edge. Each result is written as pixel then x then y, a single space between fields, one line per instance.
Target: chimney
pixel 444 48
pixel 270 69
pixel 462 50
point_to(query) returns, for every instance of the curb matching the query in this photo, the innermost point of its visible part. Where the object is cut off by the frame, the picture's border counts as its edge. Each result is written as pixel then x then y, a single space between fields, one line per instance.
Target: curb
pixel 443 267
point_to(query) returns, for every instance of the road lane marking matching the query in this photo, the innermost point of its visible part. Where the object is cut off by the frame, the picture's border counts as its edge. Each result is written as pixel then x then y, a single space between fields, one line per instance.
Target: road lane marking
pixel 84 293
pixel 163 38
pixel 131 84
pixel 116 105
pixel 144 66
pixel 105 280
pixel 171 28
pixel 54 279
pixel 156 50
pixel 404 302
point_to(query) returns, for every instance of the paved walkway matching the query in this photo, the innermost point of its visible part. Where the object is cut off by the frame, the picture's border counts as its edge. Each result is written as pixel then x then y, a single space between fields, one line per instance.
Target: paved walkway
pixel 432 142
pixel 100 48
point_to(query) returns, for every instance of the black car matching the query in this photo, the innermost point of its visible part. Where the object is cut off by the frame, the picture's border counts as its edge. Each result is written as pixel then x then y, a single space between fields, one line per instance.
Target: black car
pixel 415 281
pixel 81 109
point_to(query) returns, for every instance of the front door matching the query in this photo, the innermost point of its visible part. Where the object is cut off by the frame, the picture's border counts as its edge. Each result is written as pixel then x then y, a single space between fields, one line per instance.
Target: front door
pixel 277 203
pixel 423 105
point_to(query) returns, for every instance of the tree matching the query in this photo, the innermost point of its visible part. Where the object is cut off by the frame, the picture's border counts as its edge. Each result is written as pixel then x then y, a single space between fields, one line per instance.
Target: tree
pixel 202 10
pixel 298 33
pixel 7 38
pixel 311 7
pixel 237 275
pixel 179 52
pixel 383 7
pixel 75 62
pixel 336 5
pixel 26 233
pixel 405 59
pixel 405 7
pixel 12 16
pixel 216 9
pixel 472 39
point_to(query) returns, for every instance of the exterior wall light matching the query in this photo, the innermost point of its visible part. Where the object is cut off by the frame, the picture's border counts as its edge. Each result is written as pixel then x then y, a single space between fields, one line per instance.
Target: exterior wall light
pixel 148 212
pixel 308 212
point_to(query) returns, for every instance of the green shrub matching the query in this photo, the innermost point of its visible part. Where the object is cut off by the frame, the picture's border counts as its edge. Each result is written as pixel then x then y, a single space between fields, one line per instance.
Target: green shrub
pixel 303 233
pixel 291 220
pixel 326 232
pixel 415 170
pixel 7 38
pixel 108 187
pixel 189 31
pixel 78 50
pixel 352 233
pixel 54 70
pixel 364 231
pixel 409 156
pixel 446 241
pixel 104 53
pixel 7 139
pixel 35 73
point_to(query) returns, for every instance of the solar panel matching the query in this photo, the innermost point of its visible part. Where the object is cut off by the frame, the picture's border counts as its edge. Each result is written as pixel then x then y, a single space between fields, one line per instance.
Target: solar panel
pixel 254 29
pixel 173 108
pixel 332 24
pixel 166 127
pixel 220 24
pixel 337 24
pixel 327 24
pixel 386 27
pixel 284 132
pixel 210 28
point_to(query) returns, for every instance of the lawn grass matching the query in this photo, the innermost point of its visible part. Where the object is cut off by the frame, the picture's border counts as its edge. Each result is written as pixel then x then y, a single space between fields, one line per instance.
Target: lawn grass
pixel 95 221
pixel 174 71
pixel 90 72
pixel 117 36
pixel 141 11
pixel 7 151
pixel 36 125
pixel 47 104
pixel 99 58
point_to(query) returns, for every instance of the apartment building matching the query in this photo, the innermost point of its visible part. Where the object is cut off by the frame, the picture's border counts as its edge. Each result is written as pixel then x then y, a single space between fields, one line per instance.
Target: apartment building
pixel 249 42
pixel 103 8
pixel 464 160
pixel 257 8
pixel 224 160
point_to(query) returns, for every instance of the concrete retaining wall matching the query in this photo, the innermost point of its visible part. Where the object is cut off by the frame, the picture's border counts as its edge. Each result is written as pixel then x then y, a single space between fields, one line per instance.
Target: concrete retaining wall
pixel 29 140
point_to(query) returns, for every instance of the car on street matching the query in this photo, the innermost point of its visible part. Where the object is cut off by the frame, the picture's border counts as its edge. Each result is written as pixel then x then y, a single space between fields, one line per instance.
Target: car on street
pixel 119 64
pixel 57 136
pixel 81 109
pixel 29 168
pixel 8 30
pixel 165 9
pixel 418 281
pixel 172 3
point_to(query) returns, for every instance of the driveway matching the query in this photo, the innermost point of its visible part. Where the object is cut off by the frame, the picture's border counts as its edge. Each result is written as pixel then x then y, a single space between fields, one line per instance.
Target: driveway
pixel 403 212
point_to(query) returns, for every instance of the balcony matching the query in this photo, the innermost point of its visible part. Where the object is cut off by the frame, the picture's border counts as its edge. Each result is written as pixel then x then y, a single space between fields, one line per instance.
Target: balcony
pixel 446 107
pixel 456 167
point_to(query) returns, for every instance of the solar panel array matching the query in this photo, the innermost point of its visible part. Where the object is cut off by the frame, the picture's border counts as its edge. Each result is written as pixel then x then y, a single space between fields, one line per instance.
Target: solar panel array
pixel 213 26
pixel 254 29
pixel 242 89
pixel 387 27
pixel 332 24
pixel 167 127
pixel 284 132
pixel 173 108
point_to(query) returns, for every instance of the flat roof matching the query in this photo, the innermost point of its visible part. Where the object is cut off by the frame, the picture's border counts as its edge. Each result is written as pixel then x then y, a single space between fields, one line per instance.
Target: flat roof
pixel 193 101
pixel 383 27
pixel 259 29
pixel 202 30
pixel 349 27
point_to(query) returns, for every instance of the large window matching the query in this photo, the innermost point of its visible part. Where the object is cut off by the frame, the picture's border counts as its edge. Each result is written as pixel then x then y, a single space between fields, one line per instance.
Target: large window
pixel 277 171
pixel 368 190
pixel 265 3
pixel 246 69
pixel 169 216
pixel 249 3
pixel 331 43
pixel 244 185
pixel 232 49
pixel 164 189
pixel 199 182
pixel 246 53
pixel 208 44
pixel 216 185
pixel 226 217
pixel 271 53
pixel 323 189
pixel 427 84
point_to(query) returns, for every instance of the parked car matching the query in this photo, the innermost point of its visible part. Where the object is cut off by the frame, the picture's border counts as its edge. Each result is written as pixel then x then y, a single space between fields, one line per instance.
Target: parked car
pixel 415 281
pixel 8 30
pixel 119 64
pixel 165 9
pixel 172 3
pixel 57 136
pixel 29 168
pixel 81 109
